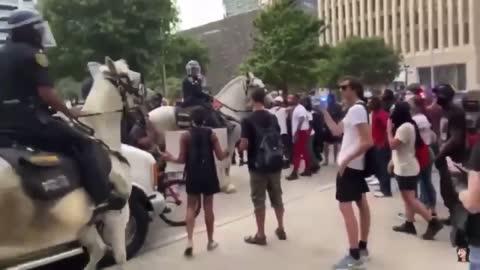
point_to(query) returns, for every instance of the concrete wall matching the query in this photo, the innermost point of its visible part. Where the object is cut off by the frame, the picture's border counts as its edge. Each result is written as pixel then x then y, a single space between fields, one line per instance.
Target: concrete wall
pixel 229 42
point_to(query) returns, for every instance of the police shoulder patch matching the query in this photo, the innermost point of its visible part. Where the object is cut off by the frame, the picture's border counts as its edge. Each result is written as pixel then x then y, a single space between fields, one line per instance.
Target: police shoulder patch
pixel 41 59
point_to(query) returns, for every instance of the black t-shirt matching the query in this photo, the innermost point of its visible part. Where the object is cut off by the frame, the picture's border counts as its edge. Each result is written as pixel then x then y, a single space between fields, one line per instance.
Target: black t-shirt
pixel 23 69
pixel 262 119
pixel 455 119
pixel 474 160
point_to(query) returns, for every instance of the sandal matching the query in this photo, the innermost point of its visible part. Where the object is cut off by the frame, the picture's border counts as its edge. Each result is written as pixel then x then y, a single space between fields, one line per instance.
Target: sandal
pixel 281 234
pixel 255 240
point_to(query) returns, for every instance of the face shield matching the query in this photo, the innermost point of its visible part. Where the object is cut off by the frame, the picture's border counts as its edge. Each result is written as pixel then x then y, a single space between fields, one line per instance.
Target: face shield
pixel 48 40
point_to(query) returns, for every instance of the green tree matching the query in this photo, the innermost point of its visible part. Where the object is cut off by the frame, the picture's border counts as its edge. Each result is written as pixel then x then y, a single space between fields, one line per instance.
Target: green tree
pixel 371 60
pixel 286 46
pixel 89 30
pixel 68 88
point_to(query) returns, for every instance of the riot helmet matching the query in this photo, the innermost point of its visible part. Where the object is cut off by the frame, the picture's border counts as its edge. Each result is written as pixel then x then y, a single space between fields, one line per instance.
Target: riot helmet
pixel 28 26
pixel 193 68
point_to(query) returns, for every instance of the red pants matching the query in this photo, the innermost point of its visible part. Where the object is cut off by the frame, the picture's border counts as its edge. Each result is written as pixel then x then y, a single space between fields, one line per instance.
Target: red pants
pixel 300 150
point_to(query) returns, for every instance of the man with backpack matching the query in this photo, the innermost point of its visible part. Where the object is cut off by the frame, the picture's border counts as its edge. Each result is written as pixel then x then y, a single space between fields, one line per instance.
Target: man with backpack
pixel 262 140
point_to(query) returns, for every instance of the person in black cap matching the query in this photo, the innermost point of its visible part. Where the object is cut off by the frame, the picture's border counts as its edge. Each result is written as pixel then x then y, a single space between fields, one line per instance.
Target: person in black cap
pixel 453 127
pixel 28 101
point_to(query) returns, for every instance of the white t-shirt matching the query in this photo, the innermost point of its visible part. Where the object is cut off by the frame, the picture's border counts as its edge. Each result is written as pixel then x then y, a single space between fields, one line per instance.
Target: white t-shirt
pixel 351 139
pixel 424 127
pixel 281 114
pixel 298 113
pixel 404 160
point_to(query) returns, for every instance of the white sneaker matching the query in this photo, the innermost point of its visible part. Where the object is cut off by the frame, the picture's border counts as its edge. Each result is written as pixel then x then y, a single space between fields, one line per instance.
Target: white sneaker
pixel 373 181
pixel 379 194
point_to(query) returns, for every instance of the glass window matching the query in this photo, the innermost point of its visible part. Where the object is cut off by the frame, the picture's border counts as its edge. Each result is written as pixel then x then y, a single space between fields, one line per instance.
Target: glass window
pixel 455 34
pixel 435 38
pixel 466 34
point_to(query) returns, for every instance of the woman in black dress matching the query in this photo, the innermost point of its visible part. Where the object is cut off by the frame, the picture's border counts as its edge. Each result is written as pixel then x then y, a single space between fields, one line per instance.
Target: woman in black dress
pixel 196 152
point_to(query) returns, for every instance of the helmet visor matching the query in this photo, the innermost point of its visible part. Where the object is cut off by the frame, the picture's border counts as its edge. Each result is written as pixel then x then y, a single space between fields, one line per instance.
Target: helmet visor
pixel 48 40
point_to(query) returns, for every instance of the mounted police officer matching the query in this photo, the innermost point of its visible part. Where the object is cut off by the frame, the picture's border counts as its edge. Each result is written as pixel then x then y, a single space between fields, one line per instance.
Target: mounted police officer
pixel 194 96
pixel 28 101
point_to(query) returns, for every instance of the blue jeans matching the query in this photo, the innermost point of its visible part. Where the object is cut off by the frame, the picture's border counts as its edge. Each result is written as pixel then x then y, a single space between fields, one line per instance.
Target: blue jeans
pixel 428 195
pixel 474 258
pixel 382 155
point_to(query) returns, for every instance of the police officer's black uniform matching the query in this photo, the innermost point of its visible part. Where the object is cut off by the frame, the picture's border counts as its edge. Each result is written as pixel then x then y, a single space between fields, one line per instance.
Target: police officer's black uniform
pixel 23 73
pixel 193 96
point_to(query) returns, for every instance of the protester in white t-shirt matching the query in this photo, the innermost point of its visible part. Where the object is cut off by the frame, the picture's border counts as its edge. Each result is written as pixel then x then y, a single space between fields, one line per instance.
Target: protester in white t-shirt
pixel 404 139
pixel 300 134
pixel 351 185
pixel 281 113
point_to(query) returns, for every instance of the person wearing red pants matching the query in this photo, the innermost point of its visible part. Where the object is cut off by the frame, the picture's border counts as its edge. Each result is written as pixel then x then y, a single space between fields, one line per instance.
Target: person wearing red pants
pixel 301 134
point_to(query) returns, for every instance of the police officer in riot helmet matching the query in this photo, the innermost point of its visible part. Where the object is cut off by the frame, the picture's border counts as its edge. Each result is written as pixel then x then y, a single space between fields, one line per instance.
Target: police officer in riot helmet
pixel 193 94
pixel 28 100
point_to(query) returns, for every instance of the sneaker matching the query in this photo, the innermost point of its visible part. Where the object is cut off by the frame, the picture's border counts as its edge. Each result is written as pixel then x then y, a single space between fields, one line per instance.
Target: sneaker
pixel 212 246
pixel 373 181
pixel 349 263
pixel 379 194
pixel 306 173
pixel 364 255
pixel 292 177
pixel 446 221
pixel 406 227
pixel 315 169
pixel 402 216
pixel 433 228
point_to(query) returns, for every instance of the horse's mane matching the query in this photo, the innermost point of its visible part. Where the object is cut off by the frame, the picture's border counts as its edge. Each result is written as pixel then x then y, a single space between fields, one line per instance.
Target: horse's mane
pixel 229 85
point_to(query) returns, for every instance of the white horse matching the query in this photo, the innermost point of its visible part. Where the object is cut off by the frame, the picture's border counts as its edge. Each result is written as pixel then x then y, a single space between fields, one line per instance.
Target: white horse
pixel 25 223
pixel 233 98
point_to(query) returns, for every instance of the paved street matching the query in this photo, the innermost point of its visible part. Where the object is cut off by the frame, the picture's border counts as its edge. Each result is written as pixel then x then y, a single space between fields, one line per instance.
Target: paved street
pixel 316 235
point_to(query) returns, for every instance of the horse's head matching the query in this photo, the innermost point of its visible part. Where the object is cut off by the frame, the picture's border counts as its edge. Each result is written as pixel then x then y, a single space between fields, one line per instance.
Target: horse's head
pixel 128 83
pixel 114 86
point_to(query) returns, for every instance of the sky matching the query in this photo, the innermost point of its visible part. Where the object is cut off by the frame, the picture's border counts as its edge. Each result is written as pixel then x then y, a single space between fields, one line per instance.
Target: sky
pixel 198 12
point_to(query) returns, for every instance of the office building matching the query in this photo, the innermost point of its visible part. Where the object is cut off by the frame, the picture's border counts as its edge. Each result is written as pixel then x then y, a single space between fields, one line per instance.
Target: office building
pixel 6 7
pixel 236 7
pixel 444 34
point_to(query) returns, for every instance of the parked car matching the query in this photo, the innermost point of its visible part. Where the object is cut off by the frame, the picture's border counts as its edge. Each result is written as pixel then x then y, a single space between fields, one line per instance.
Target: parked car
pixel 145 202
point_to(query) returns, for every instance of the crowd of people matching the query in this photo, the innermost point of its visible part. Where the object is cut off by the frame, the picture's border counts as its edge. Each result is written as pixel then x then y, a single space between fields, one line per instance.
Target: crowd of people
pixel 403 138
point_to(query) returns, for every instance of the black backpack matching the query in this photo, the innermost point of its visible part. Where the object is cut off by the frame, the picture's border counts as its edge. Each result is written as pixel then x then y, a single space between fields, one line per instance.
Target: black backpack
pixel 269 155
pixel 370 162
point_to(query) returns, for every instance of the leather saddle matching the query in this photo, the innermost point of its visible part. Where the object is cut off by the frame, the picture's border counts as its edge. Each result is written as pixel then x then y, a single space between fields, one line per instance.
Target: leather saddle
pixel 183 117
pixel 44 176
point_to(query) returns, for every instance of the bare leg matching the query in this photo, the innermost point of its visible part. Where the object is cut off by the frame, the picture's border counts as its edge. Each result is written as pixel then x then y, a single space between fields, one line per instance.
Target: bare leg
pixel 364 210
pixel 351 224
pixel 279 212
pixel 192 202
pixel 260 219
pixel 209 216
pixel 416 206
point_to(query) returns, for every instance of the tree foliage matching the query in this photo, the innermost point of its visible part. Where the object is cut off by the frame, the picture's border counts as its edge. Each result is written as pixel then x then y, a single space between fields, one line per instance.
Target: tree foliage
pixel 89 30
pixel 286 46
pixel 69 88
pixel 369 59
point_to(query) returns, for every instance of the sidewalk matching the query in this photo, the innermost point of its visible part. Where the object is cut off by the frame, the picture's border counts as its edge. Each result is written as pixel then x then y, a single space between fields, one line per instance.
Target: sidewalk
pixel 317 240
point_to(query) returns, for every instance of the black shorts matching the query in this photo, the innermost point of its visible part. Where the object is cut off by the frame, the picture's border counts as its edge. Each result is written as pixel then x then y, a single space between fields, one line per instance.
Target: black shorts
pixel 407 183
pixel 351 185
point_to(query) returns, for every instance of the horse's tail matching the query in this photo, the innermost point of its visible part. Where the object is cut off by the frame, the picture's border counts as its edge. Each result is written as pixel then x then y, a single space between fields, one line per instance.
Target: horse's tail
pixel 73 210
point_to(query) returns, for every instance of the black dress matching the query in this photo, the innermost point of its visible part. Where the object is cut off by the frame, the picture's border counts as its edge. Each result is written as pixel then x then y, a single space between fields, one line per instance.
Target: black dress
pixel 200 168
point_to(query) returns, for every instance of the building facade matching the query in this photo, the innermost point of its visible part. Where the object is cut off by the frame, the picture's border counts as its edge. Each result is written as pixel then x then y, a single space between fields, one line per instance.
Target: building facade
pixel 236 7
pixel 6 7
pixel 443 34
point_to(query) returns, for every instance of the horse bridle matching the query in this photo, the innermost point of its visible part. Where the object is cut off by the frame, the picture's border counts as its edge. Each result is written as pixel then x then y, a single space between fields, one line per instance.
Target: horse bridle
pixel 245 87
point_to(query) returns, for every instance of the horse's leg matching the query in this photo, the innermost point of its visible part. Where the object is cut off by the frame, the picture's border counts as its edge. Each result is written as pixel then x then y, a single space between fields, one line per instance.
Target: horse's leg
pixel 115 227
pixel 91 240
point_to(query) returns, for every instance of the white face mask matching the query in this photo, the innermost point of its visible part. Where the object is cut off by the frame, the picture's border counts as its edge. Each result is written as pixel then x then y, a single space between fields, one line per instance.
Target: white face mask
pixel 48 40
